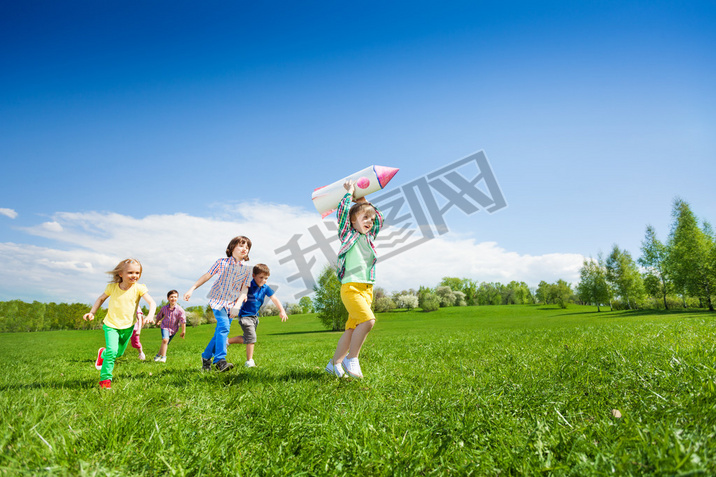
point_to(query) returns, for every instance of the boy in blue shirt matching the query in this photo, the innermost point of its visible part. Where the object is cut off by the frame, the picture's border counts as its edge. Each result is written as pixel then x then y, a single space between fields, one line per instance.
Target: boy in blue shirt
pixel 249 312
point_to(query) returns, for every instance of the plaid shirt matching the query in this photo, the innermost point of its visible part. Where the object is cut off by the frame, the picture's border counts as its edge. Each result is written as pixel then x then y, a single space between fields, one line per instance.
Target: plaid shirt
pixel 349 235
pixel 171 318
pixel 233 276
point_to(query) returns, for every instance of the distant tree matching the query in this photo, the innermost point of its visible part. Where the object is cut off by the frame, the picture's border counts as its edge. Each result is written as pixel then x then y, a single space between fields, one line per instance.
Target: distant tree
pixel 428 301
pixel 653 258
pixel 455 284
pixel 384 304
pixel 293 309
pixel 469 288
pixel 623 275
pixel 327 301
pixel 489 294
pixel 690 262
pixel 562 293
pixel 406 301
pixel 209 315
pixel 593 286
pixel 306 304
pixel 269 309
pixel 460 298
pixel 516 293
pixel 378 292
pixel 543 292
pixel 445 295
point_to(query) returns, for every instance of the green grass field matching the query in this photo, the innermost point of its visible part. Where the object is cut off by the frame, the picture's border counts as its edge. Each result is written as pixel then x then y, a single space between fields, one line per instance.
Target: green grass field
pixel 507 390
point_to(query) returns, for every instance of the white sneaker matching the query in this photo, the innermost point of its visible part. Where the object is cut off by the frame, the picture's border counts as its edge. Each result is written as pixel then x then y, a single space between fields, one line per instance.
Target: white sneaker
pixel 142 357
pixel 163 359
pixel 250 364
pixel 336 370
pixel 352 367
pixel 157 359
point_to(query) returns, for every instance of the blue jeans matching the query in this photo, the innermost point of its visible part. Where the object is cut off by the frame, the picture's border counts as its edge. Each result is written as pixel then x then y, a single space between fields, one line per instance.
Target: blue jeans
pixel 217 345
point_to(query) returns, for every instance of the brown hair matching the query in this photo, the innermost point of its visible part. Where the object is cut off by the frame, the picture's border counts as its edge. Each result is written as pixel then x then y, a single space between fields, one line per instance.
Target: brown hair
pixel 261 268
pixel 171 292
pixel 239 240
pixel 358 208
pixel 116 278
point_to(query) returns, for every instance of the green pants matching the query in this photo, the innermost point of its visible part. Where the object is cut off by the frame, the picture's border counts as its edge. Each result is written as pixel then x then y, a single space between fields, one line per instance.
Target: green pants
pixel 116 342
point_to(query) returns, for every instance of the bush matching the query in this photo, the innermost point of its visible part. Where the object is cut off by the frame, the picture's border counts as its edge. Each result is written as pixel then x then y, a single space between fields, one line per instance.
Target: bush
pixel 268 310
pixel 384 304
pixel 193 318
pixel 306 304
pixel 327 302
pixel 294 309
pixel 445 295
pixel 405 301
pixel 428 301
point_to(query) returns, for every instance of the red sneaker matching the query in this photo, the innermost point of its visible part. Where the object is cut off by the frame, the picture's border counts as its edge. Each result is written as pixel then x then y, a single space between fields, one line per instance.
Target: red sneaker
pixel 106 384
pixel 98 363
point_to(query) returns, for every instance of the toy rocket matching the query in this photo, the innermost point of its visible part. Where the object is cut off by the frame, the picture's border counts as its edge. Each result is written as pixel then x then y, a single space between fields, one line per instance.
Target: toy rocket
pixel 370 179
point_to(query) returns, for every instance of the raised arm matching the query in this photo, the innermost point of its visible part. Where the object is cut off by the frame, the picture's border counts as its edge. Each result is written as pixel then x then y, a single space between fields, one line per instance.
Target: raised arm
pixel 202 279
pixel 344 224
pixel 378 222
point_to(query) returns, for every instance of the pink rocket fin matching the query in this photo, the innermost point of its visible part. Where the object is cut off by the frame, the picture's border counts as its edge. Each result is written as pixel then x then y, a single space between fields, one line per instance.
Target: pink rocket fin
pixel 385 174
pixel 326 214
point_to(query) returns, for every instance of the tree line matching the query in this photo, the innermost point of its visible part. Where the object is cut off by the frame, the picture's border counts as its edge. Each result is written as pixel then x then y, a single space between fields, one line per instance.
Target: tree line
pixel 17 315
pixel 680 272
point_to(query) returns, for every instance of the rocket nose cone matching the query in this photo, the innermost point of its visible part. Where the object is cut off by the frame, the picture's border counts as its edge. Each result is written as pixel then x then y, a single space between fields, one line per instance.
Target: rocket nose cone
pixel 385 174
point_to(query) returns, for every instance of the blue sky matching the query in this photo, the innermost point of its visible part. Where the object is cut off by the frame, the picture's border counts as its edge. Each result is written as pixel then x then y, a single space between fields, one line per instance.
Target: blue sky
pixel 161 129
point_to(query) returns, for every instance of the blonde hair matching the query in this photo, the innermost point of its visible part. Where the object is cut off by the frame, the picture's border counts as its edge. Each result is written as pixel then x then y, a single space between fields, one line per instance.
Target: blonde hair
pixel 116 277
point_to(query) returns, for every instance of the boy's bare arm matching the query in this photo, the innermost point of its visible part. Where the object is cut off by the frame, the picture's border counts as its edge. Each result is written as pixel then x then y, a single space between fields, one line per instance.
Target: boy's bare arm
pixel 202 279
pixel 281 311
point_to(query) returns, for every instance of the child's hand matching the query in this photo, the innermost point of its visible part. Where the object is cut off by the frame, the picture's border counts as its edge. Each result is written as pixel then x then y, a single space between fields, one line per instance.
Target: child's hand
pixel 283 316
pixel 89 316
pixel 187 295
pixel 182 334
pixel 234 312
pixel 350 186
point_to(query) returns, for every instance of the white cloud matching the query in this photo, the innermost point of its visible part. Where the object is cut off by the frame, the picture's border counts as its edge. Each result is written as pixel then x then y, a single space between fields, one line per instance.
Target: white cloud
pixel 8 212
pixel 52 226
pixel 176 249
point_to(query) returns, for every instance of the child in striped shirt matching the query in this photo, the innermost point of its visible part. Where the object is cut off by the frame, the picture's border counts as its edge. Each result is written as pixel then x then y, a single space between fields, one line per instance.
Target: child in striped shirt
pixel 358 227
pixel 228 289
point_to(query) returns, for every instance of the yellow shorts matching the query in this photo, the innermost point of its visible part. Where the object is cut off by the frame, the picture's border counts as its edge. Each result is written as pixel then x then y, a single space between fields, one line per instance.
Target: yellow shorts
pixel 357 298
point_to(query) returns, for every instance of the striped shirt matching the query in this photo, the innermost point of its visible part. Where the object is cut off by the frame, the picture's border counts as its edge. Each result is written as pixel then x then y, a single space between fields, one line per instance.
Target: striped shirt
pixel 233 276
pixel 349 236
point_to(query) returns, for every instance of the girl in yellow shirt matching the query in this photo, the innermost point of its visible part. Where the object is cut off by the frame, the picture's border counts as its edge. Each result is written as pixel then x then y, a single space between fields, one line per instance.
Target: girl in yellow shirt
pixel 118 325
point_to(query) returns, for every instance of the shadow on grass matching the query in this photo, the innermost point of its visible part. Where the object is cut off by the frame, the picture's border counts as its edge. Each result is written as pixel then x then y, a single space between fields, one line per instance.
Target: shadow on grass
pixel 68 384
pixel 630 313
pixel 304 332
